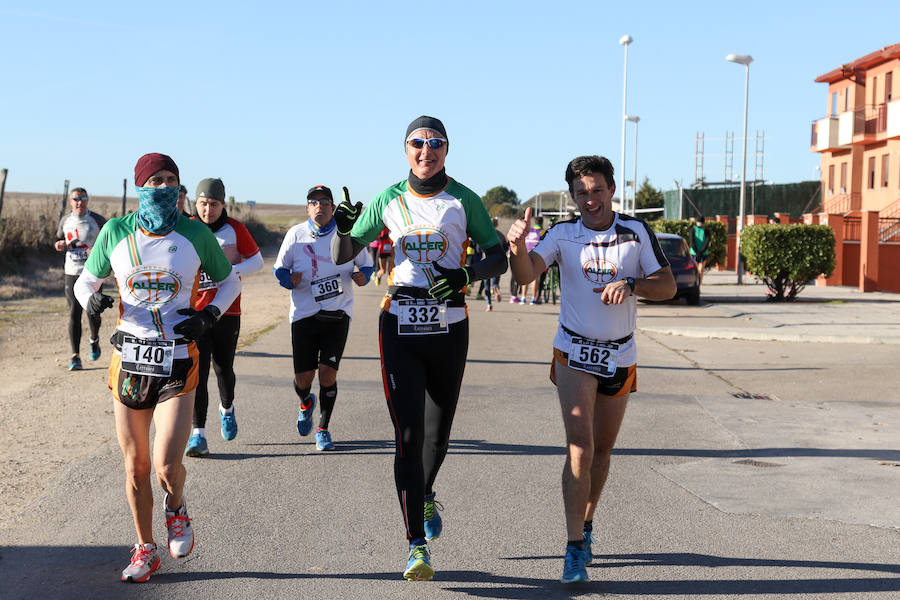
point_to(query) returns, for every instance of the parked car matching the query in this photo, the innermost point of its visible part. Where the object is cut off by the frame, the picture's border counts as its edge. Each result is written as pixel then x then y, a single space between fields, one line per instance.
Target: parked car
pixel 684 267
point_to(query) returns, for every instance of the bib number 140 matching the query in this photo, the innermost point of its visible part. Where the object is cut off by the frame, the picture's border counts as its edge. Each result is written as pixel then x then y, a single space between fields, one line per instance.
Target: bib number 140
pixel 147 357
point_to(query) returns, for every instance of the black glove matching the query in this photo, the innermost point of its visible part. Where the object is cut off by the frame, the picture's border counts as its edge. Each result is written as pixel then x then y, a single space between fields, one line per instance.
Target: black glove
pixel 73 244
pixel 197 323
pixel 98 303
pixel 346 214
pixel 450 282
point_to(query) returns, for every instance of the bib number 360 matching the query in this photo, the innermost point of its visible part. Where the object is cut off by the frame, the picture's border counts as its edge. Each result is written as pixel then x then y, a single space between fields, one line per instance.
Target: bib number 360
pixel 593 356
pixel 326 287
pixel 147 357
pixel 421 317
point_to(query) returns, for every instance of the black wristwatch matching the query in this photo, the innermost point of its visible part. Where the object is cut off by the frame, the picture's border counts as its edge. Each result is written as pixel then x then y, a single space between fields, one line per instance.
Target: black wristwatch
pixel 630 282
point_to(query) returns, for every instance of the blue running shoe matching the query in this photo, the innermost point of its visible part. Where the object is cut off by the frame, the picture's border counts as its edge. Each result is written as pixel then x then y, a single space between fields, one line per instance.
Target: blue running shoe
pixel 573 566
pixel 418 567
pixel 588 555
pixel 95 349
pixel 196 446
pixel 323 440
pixel 433 522
pixel 75 365
pixel 304 417
pixel 229 424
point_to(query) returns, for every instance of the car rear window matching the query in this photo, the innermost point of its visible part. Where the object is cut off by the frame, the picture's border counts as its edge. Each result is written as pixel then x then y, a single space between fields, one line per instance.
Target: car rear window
pixel 673 247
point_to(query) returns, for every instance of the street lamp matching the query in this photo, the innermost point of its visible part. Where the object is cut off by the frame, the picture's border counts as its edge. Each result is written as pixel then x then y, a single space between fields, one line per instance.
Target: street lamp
pixel 634 119
pixel 624 41
pixel 742 59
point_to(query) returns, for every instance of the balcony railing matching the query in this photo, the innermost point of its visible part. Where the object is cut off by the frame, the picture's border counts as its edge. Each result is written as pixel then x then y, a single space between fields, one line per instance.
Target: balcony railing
pixel 814 137
pixel 870 119
pixel 852 229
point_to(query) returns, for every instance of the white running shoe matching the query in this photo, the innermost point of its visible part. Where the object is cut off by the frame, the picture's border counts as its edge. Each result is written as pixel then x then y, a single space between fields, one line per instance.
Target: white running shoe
pixel 144 560
pixel 181 533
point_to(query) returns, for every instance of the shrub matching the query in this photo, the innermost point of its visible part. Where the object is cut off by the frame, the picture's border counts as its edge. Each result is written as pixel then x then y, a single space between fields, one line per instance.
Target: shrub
pixel 787 257
pixel 715 230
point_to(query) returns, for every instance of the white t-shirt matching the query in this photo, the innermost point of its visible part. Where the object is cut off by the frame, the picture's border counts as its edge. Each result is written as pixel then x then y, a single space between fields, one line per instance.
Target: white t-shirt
pixel 589 260
pixel 324 285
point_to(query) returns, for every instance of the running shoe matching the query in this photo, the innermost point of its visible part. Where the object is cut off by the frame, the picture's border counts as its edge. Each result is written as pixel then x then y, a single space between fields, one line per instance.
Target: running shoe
pixel 181 533
pixel 197 446
pixel 95 349
pixel 418 567
pixel 513 299
pixel 433 522
pixel 75 365
pixel 144 560
pixel 229 424
pixel 588 555
pixel 323 440
pixel 305 417
pixel 573 566
pixel 479 296
pixel 499 296
pixel 488 308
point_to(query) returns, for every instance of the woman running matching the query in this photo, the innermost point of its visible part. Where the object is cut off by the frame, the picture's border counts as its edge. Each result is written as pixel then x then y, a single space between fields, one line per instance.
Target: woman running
pixel 156 256
pixel 423 326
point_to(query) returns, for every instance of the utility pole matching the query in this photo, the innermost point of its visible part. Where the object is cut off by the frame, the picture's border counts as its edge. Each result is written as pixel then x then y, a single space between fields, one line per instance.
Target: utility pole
pixel 124 193
pixel 2 187
pixel 65 199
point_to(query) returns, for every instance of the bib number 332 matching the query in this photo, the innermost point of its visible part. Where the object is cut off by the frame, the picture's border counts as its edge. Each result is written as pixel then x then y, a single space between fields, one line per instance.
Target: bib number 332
pixel 593 356
pixel 421 317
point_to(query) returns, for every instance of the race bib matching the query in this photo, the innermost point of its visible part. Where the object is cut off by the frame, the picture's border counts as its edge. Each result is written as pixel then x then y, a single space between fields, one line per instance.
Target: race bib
pixel 593 356
pixel 147 357
pixel 326 287
pixel 206 282
pixel 79 255
pixel 423 316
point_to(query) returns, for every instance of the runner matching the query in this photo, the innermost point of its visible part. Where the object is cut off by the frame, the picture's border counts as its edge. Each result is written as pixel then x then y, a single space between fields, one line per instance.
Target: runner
pixel 700 246
pixel 156 256
pixel 182 201
pixel 321 308
pixel 423 327
pixel 77 232
pixel 220 342
pixel 606 260
pixel 385 256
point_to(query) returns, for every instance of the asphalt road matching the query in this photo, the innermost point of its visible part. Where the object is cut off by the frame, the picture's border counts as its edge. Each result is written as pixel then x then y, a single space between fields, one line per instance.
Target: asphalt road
pixel 744 469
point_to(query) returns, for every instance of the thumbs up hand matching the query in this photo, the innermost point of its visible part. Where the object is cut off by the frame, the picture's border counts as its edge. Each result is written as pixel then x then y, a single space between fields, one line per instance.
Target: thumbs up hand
pixel 517 232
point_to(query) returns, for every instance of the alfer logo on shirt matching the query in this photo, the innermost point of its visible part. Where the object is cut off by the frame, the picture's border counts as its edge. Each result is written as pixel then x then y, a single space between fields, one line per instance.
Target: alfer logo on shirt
pixel 153 285
pixel 422 245
pixel 599 270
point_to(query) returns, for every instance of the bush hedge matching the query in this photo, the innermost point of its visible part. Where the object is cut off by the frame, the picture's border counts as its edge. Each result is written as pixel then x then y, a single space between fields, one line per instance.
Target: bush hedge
pixel 787 257
pixel 715 230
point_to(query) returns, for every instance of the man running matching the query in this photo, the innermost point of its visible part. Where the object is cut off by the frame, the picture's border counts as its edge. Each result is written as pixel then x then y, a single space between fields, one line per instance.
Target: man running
pixel 156 256
pixel 321 308
pixel 219 343
pixel 182 201
pixel 77 232
pixel 606 260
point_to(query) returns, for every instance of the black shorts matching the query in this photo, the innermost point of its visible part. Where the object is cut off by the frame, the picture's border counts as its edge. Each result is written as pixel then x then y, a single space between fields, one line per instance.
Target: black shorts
pixel 622 383
pixel 142 392
pixel 318 341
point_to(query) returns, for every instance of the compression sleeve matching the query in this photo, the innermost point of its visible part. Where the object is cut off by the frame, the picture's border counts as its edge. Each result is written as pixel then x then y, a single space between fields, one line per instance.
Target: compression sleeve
pixel 283 275
pixel 250 265
pixel 85 286
pixel 494 263
pixel 367 272
pixel 227 291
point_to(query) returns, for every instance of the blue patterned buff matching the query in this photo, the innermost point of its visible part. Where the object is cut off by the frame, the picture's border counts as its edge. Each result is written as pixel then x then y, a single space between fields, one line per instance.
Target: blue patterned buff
pixel 317 231
pixel 157 209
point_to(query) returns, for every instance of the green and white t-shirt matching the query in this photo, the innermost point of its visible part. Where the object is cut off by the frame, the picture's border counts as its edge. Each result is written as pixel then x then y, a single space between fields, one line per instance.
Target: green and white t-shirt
pixel 156 274
pixel 426 229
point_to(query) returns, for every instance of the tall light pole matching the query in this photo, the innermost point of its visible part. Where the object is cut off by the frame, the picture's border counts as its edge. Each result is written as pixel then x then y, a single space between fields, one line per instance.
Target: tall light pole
pixel 634 119
pixel 742 59
pixel 624 40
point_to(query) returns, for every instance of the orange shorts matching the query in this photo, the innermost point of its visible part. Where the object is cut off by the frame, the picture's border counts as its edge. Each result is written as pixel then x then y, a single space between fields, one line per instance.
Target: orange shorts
pixel 622 383
pixel 141 392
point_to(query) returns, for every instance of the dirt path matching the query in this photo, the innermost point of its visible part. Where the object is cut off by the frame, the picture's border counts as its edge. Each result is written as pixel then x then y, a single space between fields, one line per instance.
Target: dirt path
pixel 51 417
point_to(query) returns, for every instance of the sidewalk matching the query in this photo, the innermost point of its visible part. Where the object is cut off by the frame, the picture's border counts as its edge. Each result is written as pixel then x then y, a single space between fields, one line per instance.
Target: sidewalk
pixel 819 314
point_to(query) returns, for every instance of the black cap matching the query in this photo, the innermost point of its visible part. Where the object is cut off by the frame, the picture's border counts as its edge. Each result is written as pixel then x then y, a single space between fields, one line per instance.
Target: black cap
pixel 211 188
pixel 321 189
pixel 426 122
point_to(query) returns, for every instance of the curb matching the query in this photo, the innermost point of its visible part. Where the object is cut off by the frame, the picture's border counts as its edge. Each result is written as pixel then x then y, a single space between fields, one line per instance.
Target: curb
pixel 765 335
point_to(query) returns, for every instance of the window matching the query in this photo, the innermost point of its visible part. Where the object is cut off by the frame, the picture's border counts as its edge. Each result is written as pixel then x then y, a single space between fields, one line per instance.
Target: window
pixel 846 99
pixel 844 177
pixel 871 172
pixel 834 104
pixel 888 82
pixel 830 179
pixel 884 169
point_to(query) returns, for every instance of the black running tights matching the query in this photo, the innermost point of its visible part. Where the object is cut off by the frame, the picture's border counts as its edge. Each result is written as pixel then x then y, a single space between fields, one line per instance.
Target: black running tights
pixel 75 317
pixel 218 344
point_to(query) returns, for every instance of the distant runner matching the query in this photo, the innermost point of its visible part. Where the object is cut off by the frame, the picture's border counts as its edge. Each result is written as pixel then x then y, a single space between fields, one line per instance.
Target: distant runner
pixel 321 308
pixel 219 343
pixel 423 327
pixel 77 232
pixel 606 260
pixel 156 256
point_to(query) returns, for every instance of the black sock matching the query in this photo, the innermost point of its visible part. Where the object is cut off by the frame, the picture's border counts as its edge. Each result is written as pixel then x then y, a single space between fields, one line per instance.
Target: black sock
pixel 578 544
pixel 589 526
pixel 302 393
pixel 327 398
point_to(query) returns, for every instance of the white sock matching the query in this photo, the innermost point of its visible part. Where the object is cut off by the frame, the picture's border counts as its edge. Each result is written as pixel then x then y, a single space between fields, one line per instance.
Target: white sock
pixel 201 431
pixel 226 411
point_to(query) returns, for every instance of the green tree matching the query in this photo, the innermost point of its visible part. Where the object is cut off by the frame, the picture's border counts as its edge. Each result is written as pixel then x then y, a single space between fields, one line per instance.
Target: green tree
pixel 499 195
pixel 648 196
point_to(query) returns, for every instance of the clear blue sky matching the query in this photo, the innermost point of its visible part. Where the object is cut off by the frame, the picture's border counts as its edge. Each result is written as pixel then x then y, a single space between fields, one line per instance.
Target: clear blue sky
pixel 276 97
